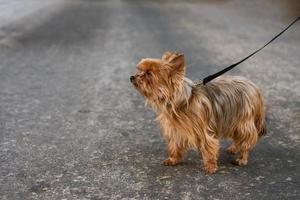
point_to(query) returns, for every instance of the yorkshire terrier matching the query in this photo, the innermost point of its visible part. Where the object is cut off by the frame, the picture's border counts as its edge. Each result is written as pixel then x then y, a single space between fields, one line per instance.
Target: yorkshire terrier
pixel 196 116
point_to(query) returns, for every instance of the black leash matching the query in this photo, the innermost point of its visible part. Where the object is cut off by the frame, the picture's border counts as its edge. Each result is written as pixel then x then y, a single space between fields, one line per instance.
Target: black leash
pixel 213 76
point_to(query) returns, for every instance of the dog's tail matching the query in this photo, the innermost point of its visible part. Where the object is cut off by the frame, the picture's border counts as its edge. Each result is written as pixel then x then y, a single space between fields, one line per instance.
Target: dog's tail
pixel 263 129
pixel 261 124
pixel 260 118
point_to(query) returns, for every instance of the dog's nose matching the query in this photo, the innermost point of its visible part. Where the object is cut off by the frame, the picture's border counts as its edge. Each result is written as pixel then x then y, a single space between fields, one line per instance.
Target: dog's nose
pixel 131 78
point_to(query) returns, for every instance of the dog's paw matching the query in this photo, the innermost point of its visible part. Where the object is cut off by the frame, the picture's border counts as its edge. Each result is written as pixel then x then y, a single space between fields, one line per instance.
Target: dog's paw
pixel 231 150
pixel 240 162
pixel 170 162
pixel 210 167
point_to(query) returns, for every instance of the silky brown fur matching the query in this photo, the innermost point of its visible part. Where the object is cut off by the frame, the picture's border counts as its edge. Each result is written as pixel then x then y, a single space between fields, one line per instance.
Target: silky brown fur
pixel 227 107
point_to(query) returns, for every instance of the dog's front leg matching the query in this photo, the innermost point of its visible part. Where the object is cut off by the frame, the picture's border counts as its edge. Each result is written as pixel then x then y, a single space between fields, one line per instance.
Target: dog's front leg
pixel 175 153
pixel 210 151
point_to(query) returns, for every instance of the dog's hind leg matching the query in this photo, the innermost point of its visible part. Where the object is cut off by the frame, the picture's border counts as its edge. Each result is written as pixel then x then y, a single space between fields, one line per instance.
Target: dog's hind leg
pixel 236 142
pixel 233 149
pixel 247 139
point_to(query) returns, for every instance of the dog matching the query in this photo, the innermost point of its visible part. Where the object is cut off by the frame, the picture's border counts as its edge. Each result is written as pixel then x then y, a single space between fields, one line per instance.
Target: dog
pixel 197 116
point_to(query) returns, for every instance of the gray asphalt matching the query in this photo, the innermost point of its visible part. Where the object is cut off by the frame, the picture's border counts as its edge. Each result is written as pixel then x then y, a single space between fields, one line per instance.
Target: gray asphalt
pixel 73 127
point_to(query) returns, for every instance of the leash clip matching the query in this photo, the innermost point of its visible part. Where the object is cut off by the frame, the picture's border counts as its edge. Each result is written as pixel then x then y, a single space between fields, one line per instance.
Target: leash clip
pixel 199 82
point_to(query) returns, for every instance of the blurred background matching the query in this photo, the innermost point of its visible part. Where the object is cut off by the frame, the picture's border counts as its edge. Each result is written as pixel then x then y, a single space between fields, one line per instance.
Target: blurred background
pixel 73 127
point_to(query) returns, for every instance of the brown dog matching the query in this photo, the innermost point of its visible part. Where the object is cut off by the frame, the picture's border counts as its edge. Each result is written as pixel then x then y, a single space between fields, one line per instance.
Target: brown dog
pixel 196 116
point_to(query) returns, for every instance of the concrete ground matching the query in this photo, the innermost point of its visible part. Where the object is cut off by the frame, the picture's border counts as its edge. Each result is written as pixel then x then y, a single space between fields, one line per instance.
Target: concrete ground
pixel 73 127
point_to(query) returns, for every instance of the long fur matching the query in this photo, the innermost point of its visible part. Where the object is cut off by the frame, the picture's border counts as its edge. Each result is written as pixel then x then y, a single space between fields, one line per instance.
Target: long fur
pixel 227 107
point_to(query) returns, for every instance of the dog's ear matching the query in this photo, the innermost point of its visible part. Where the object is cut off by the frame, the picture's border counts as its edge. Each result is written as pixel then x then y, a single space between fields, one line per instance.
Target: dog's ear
pixel 177 61
pixel 166 56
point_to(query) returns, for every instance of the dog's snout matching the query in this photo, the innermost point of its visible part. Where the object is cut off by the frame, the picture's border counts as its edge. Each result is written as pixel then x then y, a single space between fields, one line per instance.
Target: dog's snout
pixel 132 78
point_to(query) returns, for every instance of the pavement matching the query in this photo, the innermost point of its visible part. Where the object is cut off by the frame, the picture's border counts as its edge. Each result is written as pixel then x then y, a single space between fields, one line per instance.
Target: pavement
pixel 73 127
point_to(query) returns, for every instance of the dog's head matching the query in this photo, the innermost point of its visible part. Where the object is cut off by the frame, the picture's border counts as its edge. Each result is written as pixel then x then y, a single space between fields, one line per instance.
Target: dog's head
pixel 158 79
